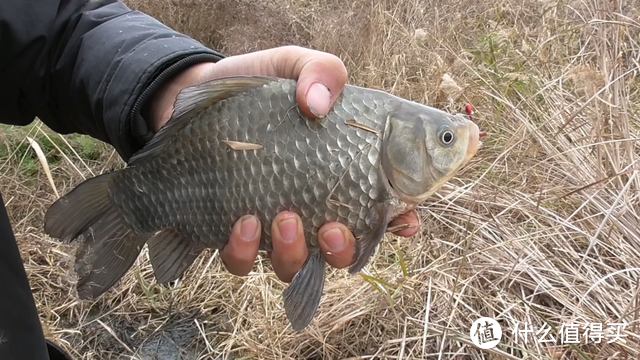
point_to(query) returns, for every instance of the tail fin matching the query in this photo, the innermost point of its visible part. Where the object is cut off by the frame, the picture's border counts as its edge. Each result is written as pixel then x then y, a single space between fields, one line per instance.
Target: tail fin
pixel 109 248
pixel 71 215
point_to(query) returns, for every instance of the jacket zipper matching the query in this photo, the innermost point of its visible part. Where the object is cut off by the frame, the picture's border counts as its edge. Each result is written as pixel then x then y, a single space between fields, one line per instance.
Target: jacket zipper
pixel 167 73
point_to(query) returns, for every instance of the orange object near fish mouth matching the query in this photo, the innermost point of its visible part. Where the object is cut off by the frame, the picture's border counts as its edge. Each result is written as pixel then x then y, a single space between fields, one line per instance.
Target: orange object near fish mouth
pixel 469 110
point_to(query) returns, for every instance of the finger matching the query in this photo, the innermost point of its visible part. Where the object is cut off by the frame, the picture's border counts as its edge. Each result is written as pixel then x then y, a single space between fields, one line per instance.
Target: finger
pixel 289 247
pixel 321 76
pixel 320 81
pixel 240 253
pixel 410 218
pixel 337 243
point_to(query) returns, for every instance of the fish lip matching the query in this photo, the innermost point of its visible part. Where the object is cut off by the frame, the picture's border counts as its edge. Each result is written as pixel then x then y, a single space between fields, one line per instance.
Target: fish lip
pixel 474 140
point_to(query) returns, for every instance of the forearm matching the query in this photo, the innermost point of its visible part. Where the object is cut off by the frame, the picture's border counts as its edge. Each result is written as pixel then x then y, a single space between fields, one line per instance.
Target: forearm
pixel 97 68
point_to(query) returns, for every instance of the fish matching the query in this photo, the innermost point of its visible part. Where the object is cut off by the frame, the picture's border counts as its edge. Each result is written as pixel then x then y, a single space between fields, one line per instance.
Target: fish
pixel 240 145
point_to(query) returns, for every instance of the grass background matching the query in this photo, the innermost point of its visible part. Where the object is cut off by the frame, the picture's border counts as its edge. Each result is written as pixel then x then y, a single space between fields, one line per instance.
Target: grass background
pixel 540 228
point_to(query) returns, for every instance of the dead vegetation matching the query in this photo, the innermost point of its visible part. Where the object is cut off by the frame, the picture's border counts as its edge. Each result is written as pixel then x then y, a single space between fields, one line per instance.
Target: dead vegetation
pixel 541 228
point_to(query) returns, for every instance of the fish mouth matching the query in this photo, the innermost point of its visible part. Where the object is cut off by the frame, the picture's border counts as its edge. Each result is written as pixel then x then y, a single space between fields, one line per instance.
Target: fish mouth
pixel 469 110
pixel 475 143
pixel 475 135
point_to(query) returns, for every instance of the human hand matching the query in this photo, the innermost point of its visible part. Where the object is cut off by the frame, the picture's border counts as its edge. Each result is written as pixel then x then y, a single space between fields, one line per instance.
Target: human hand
pixel 321 78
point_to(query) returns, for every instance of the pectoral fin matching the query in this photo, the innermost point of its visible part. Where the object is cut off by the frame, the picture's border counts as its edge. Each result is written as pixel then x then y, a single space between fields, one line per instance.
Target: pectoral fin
pixel 170 255
pixel 302 297
pixel 366 246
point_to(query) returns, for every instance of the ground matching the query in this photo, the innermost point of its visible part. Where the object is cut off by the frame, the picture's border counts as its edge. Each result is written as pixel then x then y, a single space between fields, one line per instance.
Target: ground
pixel 541 228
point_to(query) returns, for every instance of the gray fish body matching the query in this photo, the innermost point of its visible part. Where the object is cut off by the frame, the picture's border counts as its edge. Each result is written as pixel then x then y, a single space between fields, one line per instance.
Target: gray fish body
pixel 323 170
pixel 240 146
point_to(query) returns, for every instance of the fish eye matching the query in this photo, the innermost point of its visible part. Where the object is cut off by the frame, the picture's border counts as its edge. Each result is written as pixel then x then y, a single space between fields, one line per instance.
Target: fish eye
pixel 447 137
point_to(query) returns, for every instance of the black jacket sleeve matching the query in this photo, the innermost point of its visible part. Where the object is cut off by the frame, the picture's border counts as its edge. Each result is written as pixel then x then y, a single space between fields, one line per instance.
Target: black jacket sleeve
pixel 87 66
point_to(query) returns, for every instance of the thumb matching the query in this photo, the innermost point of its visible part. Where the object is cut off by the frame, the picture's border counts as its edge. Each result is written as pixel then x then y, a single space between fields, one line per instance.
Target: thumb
pixel 321 76
pixel 320 82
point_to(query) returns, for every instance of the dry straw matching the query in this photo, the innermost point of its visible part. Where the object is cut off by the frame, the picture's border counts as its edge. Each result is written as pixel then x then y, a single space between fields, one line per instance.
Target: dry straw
pixel 541 228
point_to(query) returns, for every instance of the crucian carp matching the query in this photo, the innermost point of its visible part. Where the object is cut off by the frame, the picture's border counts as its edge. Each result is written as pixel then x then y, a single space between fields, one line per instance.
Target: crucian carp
pixel 240 145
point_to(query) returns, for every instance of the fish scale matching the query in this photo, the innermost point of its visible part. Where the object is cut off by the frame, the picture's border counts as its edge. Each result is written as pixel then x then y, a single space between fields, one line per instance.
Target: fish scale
pixel 373 157
pixel 254 189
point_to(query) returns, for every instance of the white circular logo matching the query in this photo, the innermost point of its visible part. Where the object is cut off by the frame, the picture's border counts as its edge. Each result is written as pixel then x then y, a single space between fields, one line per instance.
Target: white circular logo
pixel 486 333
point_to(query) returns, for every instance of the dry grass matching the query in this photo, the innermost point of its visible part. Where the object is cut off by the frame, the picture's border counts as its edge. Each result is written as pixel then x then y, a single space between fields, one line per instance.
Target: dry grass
pixel 542 227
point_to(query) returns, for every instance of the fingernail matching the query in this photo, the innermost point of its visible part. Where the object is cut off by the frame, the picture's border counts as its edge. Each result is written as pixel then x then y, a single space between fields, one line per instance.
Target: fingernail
pixel 288 229
pixel 248 228
pixel 318 99
pixel 334 239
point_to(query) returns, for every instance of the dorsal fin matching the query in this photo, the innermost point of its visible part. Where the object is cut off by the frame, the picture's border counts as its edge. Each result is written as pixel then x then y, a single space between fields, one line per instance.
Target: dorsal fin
pixel 191 101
